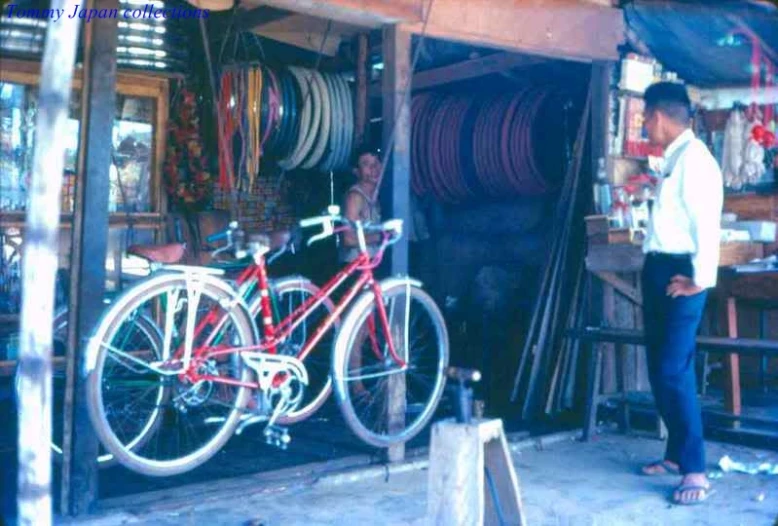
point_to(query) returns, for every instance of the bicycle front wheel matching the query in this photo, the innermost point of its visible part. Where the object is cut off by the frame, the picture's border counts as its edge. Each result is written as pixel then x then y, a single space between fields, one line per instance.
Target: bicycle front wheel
pixel 387 396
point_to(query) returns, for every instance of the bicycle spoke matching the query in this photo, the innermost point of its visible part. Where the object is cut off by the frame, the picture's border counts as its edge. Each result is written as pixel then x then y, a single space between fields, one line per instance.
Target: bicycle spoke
pixel 383 401
pixel 163 416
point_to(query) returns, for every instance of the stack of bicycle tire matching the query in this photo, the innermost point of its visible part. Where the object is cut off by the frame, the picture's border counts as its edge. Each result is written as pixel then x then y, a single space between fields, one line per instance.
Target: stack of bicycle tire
pixel 463 147
pixel 299 118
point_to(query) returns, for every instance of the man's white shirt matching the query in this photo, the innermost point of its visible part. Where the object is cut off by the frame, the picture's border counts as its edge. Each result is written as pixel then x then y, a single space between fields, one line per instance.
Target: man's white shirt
pixel 686 215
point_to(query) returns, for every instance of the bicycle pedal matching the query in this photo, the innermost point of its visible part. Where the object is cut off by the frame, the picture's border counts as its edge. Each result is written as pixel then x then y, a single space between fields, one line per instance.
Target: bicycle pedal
pixel 277 436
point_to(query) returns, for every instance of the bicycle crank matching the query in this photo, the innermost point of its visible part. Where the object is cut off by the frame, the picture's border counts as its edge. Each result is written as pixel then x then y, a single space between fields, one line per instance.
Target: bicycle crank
pixel 282 381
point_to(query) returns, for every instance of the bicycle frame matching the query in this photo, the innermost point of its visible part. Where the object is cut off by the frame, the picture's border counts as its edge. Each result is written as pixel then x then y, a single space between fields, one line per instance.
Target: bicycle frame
pixel 273 335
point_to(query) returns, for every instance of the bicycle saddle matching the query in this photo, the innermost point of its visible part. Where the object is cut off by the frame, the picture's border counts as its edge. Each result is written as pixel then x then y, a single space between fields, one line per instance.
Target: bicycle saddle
pixel 165 254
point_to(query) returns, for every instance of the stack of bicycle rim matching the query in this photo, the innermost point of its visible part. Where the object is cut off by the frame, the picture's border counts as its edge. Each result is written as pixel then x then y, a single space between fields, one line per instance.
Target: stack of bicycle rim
pixel 463 148
pixel 301 118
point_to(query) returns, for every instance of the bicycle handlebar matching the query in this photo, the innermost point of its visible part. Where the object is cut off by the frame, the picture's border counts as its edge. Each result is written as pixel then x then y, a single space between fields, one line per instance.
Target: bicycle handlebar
pixel 393 228
pixel 224 234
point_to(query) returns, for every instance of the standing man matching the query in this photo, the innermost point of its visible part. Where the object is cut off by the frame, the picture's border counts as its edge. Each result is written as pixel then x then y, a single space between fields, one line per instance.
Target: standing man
pixel 682 256
pixel 360 203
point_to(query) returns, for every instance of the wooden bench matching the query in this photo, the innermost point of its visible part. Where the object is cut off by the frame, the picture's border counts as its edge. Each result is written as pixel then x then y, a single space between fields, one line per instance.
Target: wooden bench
pixel 590 335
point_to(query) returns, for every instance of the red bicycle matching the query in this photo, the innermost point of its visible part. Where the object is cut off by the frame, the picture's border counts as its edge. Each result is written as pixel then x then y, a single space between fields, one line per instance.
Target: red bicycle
pixel 165 409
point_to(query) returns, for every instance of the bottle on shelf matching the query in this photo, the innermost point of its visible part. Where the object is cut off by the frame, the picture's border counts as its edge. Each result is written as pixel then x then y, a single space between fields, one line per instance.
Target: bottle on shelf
pixel 603 199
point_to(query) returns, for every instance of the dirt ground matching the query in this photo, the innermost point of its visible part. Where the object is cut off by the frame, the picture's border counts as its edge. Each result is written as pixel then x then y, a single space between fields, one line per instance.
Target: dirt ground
pixel 563 483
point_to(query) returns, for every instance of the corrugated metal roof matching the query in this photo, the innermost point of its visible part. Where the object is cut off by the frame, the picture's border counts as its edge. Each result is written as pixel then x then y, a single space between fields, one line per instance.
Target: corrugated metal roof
pixel 144 41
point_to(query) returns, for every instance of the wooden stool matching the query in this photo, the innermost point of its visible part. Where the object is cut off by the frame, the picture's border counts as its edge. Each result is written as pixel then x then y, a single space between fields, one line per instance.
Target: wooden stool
pixel 471 476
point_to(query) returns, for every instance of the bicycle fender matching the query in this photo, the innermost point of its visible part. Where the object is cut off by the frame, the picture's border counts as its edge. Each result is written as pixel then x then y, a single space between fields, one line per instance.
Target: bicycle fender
pixel 209 278
pixel 364 298
pixel 400 280
pixel 192 269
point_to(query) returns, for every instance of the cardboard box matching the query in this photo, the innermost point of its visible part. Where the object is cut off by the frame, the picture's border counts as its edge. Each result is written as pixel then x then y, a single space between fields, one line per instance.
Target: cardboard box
pixel 596 225
pixel 760 231
pixel 739 253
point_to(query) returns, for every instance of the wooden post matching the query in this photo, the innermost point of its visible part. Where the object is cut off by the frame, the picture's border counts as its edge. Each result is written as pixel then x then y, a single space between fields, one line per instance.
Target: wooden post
pixel 396 185
pixel 39 271
pixel 593 380
pixel 361 116
pixel 602 292
pixel 89 247
pixel 732 392
pixel 396 410
pixel 609 382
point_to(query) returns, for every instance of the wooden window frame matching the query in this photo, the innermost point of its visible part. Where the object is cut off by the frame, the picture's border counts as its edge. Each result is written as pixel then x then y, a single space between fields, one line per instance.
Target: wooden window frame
pixel 129 83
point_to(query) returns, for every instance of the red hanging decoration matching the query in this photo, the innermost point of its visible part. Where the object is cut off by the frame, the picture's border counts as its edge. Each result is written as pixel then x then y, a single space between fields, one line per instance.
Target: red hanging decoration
pixel 188 181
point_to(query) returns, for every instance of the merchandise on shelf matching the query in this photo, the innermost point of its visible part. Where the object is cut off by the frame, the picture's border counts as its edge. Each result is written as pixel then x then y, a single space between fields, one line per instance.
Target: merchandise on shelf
pixel 635 140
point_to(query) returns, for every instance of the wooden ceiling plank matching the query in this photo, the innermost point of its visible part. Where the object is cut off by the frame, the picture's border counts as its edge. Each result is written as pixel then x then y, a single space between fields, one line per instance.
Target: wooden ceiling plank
pixel 566 29
pixel 259 16
pixel 307 32
pixel 468 69
pixel 365 13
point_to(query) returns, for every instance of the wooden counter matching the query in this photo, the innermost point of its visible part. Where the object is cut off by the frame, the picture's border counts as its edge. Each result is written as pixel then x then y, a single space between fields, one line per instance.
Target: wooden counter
pixel 629 258
pixel 605 261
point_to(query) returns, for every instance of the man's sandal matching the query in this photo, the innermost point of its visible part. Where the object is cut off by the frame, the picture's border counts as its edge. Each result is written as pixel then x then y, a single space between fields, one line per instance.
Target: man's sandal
pixel 705 492
pixel 661 467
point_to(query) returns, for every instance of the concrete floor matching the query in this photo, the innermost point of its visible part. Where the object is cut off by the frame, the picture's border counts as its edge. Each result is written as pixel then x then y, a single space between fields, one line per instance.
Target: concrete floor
pixel 562 483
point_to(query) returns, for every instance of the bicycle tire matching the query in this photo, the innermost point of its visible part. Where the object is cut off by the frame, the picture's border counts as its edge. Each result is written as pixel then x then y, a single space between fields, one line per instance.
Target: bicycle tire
pixel 151 331
pixel 111 321
pixel 345 344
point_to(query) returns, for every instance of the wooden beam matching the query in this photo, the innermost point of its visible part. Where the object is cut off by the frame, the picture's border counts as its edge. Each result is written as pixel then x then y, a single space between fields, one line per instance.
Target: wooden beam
pixel 89 248
pixel 614 258
pixel 361 114
pixel 552 28
pixel 395 186
pixel 367 13
pixel 307 32
pixel 621 286
pixel 472 68
pixel 724 98
pixel 39 273
pixel 246 20
pixel 468 69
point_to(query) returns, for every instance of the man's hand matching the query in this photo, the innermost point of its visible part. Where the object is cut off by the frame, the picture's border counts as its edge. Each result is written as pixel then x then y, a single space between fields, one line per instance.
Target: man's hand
pixel 682 286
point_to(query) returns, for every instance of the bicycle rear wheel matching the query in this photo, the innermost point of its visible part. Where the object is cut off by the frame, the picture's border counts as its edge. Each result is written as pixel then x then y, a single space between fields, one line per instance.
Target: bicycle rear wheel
pixel 146 335
pixel 183 422
pixel 383 401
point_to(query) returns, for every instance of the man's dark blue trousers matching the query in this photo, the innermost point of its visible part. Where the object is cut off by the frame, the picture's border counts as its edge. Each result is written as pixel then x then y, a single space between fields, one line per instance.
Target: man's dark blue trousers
pixel 670 326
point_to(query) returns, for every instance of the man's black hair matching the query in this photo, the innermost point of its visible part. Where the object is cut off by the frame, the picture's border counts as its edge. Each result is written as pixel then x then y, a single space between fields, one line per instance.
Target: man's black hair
pixel 671 99
pixel 364 149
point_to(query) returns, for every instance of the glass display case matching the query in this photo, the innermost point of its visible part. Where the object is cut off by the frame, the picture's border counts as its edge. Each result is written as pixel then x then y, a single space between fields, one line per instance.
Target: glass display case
pixel 136 199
